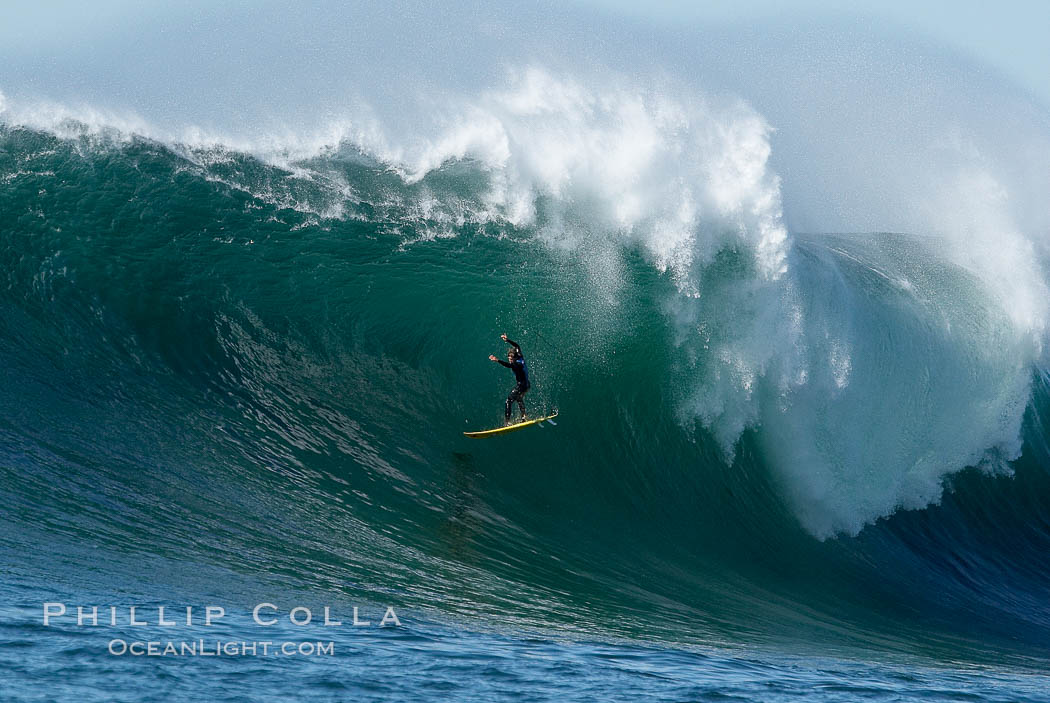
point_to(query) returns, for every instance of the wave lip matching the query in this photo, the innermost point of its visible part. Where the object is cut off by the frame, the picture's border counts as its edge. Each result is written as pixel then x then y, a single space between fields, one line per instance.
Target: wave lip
pixel 908 372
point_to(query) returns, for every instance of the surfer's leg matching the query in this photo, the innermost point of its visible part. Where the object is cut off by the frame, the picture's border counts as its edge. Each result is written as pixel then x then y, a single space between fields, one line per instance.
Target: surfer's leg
pixel 510 401
pixel 515 396
pixel 521 402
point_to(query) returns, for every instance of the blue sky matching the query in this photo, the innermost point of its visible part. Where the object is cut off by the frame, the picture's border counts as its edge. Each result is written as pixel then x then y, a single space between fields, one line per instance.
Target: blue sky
pixel 1012 36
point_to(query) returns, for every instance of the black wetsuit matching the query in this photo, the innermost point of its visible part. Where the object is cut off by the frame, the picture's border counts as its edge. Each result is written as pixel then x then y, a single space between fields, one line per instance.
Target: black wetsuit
pixel 521 375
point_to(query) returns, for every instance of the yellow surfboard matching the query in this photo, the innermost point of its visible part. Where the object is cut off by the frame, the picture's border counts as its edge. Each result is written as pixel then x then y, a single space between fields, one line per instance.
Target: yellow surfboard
pixel 511 428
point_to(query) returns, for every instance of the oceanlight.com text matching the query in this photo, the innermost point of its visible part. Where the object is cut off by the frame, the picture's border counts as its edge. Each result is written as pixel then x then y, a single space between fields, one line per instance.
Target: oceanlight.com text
pixel 219 648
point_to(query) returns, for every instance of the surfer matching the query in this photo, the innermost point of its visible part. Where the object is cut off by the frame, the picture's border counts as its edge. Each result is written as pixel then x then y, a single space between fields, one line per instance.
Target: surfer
pixel 516 363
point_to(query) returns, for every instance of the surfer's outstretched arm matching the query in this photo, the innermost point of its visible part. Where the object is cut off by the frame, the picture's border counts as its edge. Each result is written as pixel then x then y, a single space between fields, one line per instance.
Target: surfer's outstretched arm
pixel 511 342
pixel 501 362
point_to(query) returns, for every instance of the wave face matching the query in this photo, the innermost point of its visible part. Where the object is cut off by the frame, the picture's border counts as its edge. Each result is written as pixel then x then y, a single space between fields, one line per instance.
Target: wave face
pixel 264 359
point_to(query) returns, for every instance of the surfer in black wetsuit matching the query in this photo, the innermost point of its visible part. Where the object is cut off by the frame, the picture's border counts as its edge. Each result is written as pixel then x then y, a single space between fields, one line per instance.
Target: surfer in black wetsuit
pixel 516 363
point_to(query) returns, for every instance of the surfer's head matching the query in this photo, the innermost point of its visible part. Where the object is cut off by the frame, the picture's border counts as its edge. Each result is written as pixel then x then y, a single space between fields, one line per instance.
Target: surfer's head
pixel 513 355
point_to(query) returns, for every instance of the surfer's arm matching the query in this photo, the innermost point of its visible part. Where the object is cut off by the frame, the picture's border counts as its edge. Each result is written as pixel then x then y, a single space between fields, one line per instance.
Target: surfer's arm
pixel 511 342
pixel 492 357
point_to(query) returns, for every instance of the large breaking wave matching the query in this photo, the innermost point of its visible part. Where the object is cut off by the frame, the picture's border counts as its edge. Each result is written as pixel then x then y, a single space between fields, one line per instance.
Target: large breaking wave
pixel 302 319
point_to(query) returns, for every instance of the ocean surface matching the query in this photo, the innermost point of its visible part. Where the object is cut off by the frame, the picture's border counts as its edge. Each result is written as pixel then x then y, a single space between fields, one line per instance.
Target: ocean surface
pixel 786 465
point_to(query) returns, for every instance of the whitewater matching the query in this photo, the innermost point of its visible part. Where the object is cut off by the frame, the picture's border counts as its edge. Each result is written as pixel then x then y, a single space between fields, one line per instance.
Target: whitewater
pixel 785 287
